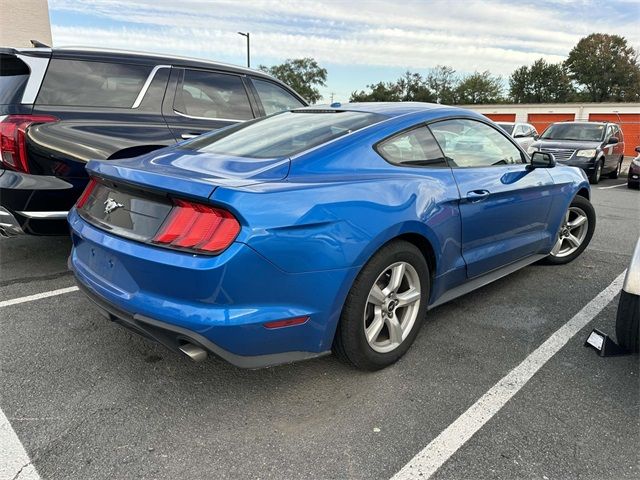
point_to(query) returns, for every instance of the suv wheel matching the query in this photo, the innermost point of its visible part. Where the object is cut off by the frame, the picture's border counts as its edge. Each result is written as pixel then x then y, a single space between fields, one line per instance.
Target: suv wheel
pixel 595 176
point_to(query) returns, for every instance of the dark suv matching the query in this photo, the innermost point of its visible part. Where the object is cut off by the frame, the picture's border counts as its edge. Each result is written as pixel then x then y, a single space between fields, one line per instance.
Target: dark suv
pixel 60 108
pixel 596 147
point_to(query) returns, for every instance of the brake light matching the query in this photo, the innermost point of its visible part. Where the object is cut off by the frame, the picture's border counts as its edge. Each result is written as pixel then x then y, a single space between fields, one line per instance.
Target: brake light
pixel 197 227
pixel 86 194
pixel 13 145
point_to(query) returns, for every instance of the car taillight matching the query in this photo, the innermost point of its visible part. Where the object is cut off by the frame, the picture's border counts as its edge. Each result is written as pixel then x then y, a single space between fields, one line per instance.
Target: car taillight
pixel 198 227
pixel 13 145
pixel 86 194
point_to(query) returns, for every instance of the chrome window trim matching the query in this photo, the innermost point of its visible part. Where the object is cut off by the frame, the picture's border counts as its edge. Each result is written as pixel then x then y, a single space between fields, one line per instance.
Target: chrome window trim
pixel 147 84
pixel 45 215
pixel 38 67
pixel 210 118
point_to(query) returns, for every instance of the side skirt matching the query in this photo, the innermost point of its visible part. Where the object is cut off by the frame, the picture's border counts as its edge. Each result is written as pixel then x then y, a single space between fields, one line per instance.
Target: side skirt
pixel 485 279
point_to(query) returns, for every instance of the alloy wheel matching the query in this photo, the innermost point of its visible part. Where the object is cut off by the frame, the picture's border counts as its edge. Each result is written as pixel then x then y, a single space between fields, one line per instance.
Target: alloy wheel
pixel 392 307
pixel 572 232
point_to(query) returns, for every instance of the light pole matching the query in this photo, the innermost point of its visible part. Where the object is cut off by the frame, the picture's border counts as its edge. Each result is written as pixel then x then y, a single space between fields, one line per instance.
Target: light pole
pixel 248 48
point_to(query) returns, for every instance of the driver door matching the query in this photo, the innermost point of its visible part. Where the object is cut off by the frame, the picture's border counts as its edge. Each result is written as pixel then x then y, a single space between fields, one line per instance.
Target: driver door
pixel 503 205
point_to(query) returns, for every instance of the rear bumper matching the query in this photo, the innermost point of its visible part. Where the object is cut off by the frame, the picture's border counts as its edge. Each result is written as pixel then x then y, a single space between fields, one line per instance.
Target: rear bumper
pixel 38 204
pixel 633 177
pixel 220 303
pixel 9 225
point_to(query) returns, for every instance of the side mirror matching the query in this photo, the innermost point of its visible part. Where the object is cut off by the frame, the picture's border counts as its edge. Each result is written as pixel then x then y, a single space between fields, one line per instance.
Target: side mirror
pixel 638 149
pixel 519 135
pixel 536 136
pixel 613 141
pixel 542 160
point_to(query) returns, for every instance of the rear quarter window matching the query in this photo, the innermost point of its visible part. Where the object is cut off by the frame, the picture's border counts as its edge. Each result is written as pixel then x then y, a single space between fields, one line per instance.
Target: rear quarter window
pixel 78 83
pixel 14 74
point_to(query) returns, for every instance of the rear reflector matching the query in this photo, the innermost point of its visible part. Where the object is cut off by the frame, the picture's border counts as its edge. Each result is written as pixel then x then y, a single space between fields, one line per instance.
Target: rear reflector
pixel 13 144
pixel 289 322
pixel 198 227
pixel 86 194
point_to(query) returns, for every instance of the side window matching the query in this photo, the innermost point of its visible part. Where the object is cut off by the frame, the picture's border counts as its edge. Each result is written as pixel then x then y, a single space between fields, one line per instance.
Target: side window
pixel 415 147
pixel 212 95
pixel 532 131
pixel 76 83
pixel 275 98
pixel 469 143
pixel 521 130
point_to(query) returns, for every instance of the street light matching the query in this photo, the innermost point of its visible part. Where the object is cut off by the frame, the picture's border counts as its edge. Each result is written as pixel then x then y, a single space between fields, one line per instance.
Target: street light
pixel 248 46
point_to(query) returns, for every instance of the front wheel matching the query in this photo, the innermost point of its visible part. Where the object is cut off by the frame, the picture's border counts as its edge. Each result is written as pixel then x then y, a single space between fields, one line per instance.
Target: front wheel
pixel 594 179
pixel 628 321
pixel 575 232
pixel 384 309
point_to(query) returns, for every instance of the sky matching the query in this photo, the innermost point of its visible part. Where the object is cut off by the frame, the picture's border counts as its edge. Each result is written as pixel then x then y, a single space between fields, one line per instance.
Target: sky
pixel 358 42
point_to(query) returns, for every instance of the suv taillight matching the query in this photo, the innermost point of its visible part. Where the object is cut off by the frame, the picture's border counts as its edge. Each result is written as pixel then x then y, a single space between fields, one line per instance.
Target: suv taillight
pixel 13 145
pixel 198 227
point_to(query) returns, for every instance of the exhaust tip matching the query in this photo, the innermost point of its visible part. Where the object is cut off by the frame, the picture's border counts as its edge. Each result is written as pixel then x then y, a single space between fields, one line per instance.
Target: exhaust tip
pixel 194 352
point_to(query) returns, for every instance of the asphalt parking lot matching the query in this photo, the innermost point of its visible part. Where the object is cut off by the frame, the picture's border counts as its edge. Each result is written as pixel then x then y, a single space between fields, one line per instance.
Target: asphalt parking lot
pixel 88 399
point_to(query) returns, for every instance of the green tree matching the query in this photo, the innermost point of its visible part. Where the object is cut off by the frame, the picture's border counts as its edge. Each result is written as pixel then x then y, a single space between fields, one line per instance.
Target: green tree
pixel 442 81
pixel 411 87
pixel 479 87
pixel 605 67
pixel 304 75
pixel 541 83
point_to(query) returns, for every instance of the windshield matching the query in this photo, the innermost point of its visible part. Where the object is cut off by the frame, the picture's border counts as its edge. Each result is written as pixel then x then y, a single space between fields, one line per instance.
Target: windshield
pixel 574 131
pixel 507 127
pixel 283 134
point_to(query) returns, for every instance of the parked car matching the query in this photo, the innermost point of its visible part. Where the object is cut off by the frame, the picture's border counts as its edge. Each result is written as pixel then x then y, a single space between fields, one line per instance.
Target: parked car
pixel 320 228
pixel 596 147
pixel 628 318
pixel 633 178
pixel 523 133
pixel 61 107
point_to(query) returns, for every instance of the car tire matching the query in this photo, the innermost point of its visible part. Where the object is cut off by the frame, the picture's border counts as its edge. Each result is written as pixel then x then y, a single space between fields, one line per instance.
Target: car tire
pixel 367 310
pixel 628 321
pixel 613 175
pixel 594 179
pixel 566 249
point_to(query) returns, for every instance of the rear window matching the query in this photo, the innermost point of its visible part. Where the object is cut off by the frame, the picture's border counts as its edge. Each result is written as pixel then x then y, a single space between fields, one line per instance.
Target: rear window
pixel 283 134
pixel 77 83
pixel 14 74
pixel 506 127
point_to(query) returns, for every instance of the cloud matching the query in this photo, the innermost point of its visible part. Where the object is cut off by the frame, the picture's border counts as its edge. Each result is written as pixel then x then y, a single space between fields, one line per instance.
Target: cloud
pixel 467 35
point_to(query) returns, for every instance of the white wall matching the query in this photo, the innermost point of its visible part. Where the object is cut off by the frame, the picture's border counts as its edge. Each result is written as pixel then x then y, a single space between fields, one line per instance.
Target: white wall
pixel 581 110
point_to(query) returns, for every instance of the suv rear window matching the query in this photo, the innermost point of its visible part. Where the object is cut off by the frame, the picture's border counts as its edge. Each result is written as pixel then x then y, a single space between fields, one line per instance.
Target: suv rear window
pixel 14 74
pixel 283 134
pixel 77 83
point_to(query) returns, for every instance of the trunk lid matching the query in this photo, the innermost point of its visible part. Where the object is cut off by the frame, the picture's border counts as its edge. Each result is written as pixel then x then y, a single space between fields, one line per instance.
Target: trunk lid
pixel 190 173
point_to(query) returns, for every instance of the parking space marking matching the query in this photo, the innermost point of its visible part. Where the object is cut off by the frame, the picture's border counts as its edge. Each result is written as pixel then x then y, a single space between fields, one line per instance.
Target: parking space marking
pixel 441 448
pixel 14 461
pixel 38 296
pixel 612 186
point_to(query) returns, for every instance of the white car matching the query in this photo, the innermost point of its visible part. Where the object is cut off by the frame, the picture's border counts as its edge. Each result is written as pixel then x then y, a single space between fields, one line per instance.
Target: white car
pixel 523 133
pixel 628 318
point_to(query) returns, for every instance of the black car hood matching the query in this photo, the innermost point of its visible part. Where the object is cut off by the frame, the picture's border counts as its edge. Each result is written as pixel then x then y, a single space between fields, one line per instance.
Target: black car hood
pixel 568 144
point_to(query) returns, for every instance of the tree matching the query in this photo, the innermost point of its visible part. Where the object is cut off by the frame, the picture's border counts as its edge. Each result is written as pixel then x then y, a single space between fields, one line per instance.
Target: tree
pixel 606 68
pixel 442 81
pixel 304 75
pixel 541 83
pixel 411 87
pixel 479 88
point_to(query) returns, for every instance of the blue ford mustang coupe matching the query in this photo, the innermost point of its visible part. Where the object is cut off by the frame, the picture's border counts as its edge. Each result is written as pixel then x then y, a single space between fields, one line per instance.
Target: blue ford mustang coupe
pixel 319 229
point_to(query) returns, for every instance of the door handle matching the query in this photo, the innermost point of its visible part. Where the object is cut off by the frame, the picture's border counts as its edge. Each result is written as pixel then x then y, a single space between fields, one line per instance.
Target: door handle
pixel 477 195
pixel 187 136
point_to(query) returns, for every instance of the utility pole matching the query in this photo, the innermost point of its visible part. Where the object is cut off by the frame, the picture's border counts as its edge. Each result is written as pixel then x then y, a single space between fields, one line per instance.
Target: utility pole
pixel 248 48
pixel 332 94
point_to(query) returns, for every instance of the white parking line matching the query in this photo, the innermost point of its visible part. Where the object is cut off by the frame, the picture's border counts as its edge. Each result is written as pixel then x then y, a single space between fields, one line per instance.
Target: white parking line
pixel 37 296
pixel 14 461
pixel 441 448
pixel 612 186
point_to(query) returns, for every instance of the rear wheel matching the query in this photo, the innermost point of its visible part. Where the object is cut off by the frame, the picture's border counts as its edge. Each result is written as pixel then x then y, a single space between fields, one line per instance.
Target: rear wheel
pixel 575 232
pixel 628 321
pixel 613 175
pixel 597 173
pixel 384 309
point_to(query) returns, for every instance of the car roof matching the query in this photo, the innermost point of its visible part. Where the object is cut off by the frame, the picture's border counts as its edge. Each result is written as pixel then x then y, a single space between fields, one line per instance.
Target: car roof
pixel 389 109
pixel 595 122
